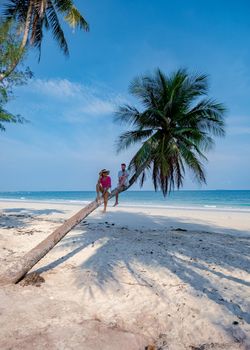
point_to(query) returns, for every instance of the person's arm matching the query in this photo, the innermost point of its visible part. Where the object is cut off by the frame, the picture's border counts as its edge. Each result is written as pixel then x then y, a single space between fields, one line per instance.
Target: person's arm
pixel 125 178
pixel 119 178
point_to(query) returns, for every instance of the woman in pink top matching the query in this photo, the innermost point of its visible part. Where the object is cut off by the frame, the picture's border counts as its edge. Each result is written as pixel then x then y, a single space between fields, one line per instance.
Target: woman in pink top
pixel 103 186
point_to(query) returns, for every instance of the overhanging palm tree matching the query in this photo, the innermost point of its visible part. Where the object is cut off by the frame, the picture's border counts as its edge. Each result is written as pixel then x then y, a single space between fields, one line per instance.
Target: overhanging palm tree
pixel 174 126
pixel 33 16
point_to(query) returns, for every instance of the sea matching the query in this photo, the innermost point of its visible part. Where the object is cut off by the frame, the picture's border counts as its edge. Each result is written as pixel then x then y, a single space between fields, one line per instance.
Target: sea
pixel 213 199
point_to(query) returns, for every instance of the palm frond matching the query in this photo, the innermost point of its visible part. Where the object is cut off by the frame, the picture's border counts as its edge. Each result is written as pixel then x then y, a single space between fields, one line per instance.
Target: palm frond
pixel 63 5
pixel 193 164
pixel 207 115
pixel 130 137
pixel 37 35
pixel 15 10
pixel 75 19
pixel 56 28
pixel 126 115
pixel 144 87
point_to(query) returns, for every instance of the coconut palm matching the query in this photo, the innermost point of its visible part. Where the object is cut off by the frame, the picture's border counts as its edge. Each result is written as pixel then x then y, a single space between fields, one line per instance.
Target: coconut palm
pixel 33 16
pixel 174 127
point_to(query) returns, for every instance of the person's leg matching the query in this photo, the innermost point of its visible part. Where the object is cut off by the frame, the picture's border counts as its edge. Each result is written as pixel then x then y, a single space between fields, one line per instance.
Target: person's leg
pixel 98 190
pixel 116 199
pixel 105 197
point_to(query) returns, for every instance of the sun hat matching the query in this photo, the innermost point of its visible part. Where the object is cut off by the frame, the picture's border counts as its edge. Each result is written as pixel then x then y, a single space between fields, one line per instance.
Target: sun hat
pixel 104 171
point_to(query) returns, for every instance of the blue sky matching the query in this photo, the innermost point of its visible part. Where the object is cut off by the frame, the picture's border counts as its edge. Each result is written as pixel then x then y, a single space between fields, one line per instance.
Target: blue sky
pixel 70 101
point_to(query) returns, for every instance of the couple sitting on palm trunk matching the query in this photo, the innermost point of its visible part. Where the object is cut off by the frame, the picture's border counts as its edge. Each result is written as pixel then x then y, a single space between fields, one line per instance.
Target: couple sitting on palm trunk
pixel 103 185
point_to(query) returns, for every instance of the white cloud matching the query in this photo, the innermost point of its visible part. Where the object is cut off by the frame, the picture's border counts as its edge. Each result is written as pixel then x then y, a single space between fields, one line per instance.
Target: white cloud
pixel 59 88
pixel 76 100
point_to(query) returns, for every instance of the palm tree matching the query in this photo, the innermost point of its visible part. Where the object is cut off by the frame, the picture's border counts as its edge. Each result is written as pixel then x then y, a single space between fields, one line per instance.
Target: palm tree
pixel 175 127
pixel 33 16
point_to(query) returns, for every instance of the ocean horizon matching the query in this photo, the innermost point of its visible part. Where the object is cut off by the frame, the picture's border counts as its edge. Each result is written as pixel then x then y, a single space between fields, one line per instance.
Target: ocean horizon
pixel 203 199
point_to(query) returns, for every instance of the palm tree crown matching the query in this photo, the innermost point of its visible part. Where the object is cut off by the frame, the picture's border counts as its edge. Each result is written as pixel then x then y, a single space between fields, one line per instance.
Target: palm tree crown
pixel 35 15
pixel 174 127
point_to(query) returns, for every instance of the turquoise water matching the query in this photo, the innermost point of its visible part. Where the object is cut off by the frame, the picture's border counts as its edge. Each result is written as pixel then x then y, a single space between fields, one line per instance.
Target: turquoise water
pixel 202 199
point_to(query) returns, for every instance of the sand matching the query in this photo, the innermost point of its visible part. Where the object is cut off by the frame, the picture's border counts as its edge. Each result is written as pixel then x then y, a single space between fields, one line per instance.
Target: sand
pixel 171 278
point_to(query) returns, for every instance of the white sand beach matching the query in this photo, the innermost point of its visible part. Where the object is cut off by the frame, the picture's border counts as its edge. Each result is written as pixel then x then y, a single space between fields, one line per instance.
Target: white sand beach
pixel 171 278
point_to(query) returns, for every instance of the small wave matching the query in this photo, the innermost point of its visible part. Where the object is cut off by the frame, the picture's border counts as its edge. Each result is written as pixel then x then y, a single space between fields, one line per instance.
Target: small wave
pixel 76 202
pixel 182 207
pixel 145 203
pixel 46 200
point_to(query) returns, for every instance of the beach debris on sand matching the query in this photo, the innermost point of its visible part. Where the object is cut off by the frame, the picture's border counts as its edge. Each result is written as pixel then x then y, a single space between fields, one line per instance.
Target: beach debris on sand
pixel 33 279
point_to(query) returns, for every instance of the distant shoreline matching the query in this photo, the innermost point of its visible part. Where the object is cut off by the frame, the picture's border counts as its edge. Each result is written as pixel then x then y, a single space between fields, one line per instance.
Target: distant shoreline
pixel 130 190
pixel 226 201
pixel 124 205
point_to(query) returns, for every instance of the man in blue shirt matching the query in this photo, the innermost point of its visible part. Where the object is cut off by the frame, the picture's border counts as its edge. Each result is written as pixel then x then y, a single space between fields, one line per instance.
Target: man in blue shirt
pixel 123 175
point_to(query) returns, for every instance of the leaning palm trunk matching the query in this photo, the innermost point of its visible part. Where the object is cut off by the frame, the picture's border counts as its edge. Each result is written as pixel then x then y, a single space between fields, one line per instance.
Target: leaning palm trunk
pixel 19 269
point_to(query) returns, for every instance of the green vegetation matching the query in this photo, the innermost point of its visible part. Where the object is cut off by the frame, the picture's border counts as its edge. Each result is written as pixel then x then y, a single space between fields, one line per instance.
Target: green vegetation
pixel 174 127
pixel 33 16
pixel 9 51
